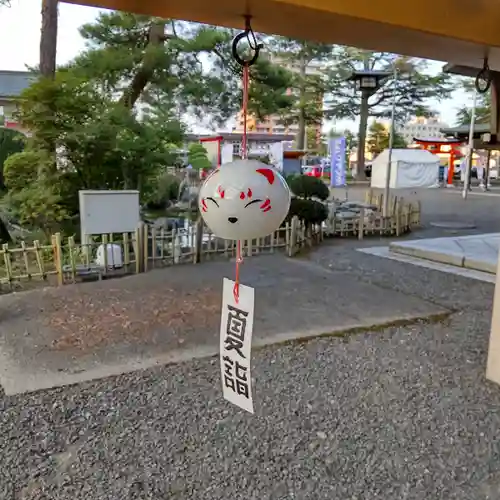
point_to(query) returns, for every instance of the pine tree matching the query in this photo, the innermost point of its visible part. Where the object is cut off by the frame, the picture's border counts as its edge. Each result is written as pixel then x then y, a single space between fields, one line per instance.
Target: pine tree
pixel 305 60
pixel 190 65
pixel 412 90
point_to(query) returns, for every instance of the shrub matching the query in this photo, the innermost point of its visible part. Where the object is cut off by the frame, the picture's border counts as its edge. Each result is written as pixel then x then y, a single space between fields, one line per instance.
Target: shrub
pixel 305 186
pixel 165 192
pixel 309 211
pixel 22 169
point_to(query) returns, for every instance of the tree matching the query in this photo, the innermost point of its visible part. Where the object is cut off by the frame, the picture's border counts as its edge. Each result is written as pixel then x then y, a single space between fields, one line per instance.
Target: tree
pixel 411 91
pixel 483 106
pixel 304 59
pixel 114 113
pixel 48 38
pixel 198 156
pixel 379 138
pixel 304 204
pixel 138 56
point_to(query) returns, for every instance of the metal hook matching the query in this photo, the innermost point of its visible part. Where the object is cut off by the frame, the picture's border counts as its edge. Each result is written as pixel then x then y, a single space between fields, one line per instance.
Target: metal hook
pixel 252 42
pixel 485 76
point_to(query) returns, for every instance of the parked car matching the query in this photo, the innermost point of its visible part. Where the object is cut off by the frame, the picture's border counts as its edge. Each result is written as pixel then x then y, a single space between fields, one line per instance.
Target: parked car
pixel 317 171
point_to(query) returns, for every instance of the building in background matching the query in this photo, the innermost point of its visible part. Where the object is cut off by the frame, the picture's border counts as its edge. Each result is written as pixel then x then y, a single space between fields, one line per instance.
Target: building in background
pixel 258 143
pixel 422 128
pixel 12 83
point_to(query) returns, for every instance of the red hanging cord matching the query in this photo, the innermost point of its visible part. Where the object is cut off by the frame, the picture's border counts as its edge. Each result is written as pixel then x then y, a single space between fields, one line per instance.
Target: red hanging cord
pixel 255 47
pixel 244 151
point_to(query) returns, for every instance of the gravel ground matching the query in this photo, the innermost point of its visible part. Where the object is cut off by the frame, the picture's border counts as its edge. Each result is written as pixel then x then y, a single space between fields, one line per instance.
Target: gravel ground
pixel 393 415
pixel 400 414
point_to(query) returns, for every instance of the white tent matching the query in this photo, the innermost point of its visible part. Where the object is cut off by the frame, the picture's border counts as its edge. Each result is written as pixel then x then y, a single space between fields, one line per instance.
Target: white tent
pixel 410 168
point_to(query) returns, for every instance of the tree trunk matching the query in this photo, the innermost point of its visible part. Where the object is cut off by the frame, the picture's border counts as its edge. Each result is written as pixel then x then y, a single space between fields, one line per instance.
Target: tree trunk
pixel 363 124
pixel 301 139
pixel 48 38
pixel 156 37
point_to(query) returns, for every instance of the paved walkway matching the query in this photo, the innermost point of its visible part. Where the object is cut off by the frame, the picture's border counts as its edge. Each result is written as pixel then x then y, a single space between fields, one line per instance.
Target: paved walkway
pixel 59 336
pixel 478 252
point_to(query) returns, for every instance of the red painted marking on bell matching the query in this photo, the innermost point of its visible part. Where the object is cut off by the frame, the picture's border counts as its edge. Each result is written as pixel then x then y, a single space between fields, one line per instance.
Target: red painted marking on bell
pixel 267 173
pixel 242 195
pixel 265 204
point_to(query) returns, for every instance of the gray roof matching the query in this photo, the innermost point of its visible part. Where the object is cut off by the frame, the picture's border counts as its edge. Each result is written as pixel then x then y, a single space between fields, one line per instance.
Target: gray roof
pixel 12 83
pixel 479 128
pixel 254 136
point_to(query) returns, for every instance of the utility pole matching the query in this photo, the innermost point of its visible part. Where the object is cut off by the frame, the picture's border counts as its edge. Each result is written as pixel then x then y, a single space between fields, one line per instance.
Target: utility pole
pixel 391 142
pixel 470 148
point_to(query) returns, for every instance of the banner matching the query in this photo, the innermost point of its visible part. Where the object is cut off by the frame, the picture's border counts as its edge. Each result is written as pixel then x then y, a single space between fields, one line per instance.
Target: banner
pixel 226 153
pixel 236 329
pixel 337 150
pixel 276 155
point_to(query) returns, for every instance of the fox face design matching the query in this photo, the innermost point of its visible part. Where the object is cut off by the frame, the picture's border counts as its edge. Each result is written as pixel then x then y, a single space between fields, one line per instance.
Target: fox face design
pixel 244 199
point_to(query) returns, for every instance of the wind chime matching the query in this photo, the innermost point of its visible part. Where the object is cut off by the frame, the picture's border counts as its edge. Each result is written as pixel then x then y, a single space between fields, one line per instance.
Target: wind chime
pixel 244 199
pixel 241 201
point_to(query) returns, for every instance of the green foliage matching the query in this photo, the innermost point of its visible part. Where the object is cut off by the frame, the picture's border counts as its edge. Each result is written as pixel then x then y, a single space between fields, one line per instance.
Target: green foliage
pixel 198 156
pixel 412 90
pixel 11 142
pixel 87 113
pixel 38 206
pixel 307 187
pixel 98 139
pixel 33 199
pixel 409 86
pixel 309 211
pixel 483 106
pixel 23 169
pixel 307 83
pixel 165 191
pixel 379 138
pixel 139 56
pixel 304 188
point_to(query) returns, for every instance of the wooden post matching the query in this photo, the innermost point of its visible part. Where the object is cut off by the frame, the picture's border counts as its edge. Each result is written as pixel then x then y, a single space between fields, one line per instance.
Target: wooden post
pixel 198 244
pixel 138 248
pixel 293 236
pixel 72 261
pixel 58 258
pixel 361 224
pixel 7 262
pixel 493 363
pixel 145 245
pixel 249 246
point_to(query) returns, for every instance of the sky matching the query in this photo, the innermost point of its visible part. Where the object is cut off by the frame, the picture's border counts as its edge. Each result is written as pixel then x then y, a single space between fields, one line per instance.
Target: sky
pixel 20 38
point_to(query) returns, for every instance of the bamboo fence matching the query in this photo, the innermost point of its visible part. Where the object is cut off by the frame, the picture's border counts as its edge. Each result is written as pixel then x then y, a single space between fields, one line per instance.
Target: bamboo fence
pixel 149 247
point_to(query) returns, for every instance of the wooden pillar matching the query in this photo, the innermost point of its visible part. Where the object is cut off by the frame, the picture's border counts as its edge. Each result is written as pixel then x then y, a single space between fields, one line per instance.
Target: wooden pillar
pixel 486 178
pixel 493 363
pixel 451 168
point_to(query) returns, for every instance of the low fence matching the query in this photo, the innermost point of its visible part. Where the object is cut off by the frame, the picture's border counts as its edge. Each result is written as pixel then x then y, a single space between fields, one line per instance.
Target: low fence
pixel 149 247
pixel 403 217
pixel 65 261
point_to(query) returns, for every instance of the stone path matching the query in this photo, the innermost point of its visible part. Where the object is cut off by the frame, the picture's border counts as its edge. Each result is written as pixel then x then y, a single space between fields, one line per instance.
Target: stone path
pixel 478 252
pixel 58 336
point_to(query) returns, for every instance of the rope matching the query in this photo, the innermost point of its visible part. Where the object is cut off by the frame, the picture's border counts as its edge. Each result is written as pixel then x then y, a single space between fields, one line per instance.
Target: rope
pixel 255 47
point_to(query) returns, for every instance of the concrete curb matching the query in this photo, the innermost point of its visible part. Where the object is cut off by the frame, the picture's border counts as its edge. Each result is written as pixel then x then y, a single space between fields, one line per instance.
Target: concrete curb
pixel 14 382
